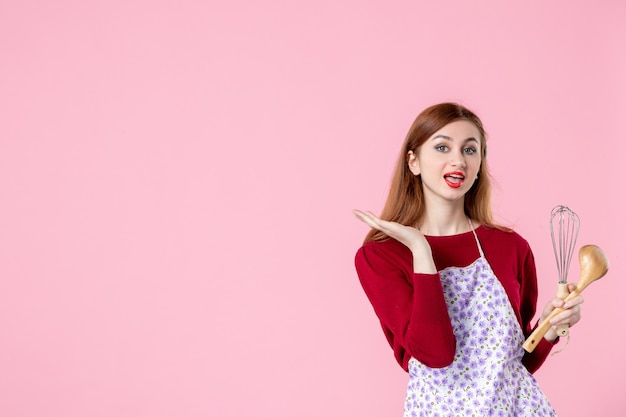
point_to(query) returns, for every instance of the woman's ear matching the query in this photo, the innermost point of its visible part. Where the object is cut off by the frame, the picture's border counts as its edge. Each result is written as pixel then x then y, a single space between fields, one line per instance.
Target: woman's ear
pixel 413 162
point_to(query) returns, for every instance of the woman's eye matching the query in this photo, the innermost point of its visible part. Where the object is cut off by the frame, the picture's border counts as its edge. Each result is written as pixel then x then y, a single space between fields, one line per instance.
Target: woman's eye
pixel 470 150
pixel 441 148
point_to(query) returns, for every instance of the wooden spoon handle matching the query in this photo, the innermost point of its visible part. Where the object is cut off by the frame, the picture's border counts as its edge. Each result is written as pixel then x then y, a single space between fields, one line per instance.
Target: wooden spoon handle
pixel 533 340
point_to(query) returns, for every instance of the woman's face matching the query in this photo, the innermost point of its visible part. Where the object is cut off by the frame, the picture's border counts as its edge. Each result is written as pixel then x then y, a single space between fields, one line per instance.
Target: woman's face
pixel 448 161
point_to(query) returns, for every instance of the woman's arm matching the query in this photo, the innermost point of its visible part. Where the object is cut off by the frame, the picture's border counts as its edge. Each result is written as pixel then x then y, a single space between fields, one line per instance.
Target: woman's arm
pixel 411 308
pixel 407 299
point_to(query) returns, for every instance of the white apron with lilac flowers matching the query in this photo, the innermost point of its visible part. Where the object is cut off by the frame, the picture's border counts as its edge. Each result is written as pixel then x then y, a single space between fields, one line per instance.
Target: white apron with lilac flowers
pixel 487 377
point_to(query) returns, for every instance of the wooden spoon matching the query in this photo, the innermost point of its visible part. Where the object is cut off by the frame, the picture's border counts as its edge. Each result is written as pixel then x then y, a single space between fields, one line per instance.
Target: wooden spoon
pixel 593 265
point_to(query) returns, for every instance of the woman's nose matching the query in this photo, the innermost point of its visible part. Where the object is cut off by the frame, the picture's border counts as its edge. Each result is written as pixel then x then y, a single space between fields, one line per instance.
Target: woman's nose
pixel 458 160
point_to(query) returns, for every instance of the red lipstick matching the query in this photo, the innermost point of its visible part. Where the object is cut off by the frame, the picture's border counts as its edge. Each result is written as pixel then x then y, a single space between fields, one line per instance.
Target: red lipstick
pixel 454 179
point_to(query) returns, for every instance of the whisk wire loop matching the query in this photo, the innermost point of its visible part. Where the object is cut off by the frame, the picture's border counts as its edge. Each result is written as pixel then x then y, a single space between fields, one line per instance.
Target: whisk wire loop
pixel 567 226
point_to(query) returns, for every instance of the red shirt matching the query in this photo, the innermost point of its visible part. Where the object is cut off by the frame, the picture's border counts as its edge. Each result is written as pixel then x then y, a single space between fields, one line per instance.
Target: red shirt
pixel 411 307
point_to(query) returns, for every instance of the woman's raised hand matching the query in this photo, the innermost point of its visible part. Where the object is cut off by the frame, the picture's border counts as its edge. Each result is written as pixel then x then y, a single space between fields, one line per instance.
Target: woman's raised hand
pixel 409 236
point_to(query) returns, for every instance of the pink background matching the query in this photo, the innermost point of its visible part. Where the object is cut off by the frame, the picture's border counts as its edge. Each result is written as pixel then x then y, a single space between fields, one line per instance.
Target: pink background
pixel 176 180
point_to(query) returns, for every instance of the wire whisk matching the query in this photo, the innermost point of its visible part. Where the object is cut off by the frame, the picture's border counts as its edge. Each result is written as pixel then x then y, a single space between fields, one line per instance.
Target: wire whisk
pixel 566 224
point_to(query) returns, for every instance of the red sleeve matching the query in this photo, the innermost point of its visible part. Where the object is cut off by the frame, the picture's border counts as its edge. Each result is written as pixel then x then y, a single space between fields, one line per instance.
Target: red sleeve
pixel 528 279
pixel 411 307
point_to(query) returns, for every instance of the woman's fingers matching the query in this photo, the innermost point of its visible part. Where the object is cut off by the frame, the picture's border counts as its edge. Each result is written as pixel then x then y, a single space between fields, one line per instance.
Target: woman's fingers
pixel 374 221
pixel 409 236
pixel 576 301
pixel 569 317
pixel 368 218
pixel 571 310
pixel 361 216
pixel 571 313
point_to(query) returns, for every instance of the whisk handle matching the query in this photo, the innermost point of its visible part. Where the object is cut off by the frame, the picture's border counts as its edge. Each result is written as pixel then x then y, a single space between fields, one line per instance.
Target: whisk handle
pixel 562 330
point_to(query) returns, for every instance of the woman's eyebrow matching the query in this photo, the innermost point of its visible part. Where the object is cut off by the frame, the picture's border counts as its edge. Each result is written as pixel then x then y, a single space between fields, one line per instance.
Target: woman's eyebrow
pixel 470 139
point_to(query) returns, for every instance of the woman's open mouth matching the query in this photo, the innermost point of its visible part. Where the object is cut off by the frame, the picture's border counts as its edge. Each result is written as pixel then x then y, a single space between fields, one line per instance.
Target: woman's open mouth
pixel 454 179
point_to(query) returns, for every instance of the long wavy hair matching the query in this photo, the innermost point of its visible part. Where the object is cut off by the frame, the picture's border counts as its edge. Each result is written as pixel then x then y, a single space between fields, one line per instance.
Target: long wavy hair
pixel 405 203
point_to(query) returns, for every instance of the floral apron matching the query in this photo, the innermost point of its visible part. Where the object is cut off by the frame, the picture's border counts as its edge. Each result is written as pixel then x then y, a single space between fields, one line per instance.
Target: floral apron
pixel 487 377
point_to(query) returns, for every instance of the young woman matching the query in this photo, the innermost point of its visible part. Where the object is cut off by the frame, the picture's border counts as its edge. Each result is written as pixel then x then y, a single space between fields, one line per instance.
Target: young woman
pixel 454 292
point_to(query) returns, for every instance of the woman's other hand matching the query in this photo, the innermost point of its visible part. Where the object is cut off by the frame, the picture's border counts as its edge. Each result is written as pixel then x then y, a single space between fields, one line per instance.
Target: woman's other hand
pixel 570 315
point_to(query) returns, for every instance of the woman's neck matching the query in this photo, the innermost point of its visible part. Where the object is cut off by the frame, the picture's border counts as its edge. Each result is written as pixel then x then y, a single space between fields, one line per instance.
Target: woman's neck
pixel 444 221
